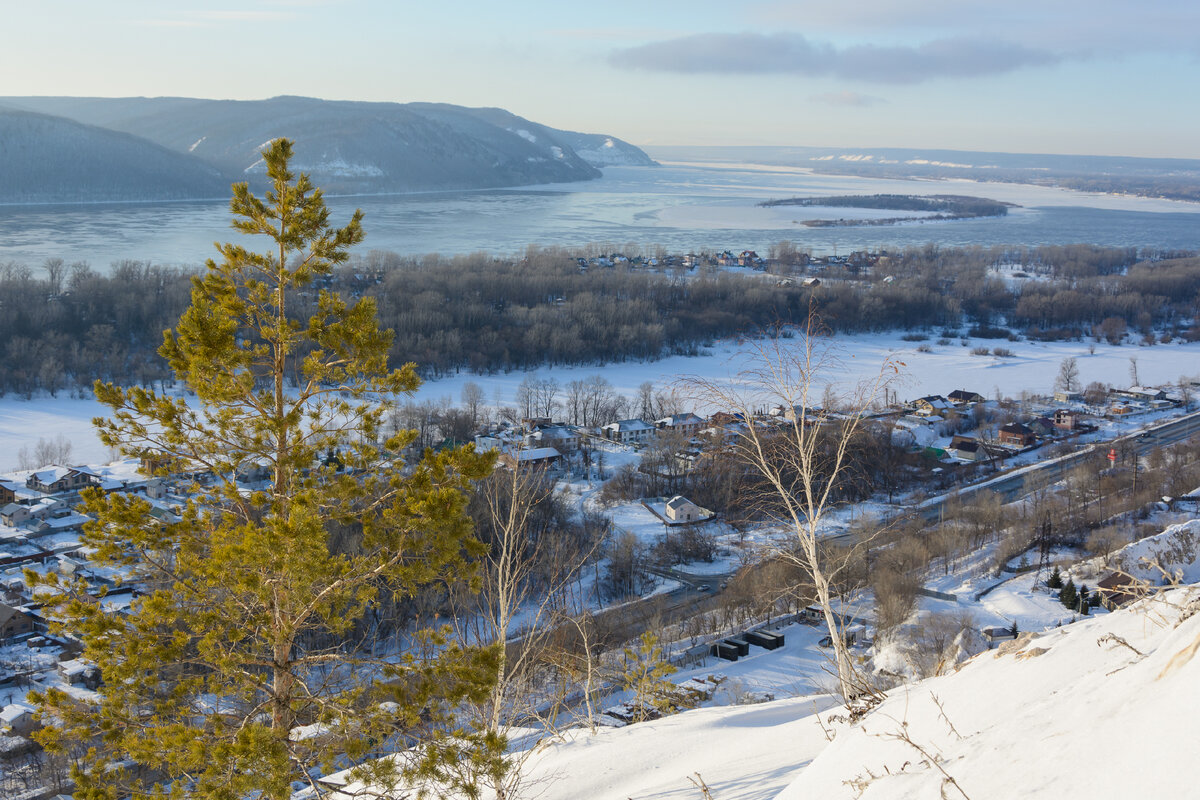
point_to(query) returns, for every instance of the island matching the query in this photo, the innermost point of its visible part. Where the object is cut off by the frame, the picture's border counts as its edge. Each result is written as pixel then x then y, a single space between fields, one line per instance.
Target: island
pixel 943 206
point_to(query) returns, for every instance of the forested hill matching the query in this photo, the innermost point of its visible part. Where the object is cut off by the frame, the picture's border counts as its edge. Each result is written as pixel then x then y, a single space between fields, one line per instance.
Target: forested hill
pixel 51 159
pixel 350 147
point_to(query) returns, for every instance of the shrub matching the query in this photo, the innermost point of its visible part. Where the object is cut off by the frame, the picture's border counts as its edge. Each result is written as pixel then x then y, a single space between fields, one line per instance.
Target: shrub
pixel 980 351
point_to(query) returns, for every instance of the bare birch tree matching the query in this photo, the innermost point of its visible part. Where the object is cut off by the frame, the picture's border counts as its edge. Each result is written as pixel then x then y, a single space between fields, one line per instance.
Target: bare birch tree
pixel 801 455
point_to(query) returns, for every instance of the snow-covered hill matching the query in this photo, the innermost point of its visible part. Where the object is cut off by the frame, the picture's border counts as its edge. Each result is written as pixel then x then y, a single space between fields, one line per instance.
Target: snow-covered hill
pixel 352 147
pixel 1103 708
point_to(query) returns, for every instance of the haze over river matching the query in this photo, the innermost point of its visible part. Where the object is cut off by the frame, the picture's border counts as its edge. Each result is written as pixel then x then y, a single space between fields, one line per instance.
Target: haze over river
pixel 679 206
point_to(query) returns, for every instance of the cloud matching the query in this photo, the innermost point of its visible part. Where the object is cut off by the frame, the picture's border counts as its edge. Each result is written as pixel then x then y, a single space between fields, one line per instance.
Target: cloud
pixel 792 53
pixel 847 98
pixel 1077 27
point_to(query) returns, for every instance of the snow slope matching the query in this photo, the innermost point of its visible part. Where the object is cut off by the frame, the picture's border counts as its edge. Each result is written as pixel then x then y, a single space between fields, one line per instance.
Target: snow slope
pixel 1176 550
pixel 1072 713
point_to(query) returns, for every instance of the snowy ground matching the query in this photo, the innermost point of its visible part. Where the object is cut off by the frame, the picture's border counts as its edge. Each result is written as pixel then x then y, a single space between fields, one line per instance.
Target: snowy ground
pixel 1032 368
pixel 1071 712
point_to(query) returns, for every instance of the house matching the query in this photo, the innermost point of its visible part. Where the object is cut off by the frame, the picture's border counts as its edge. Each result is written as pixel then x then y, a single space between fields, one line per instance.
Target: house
pixel 1066 420
pixel 78 672
pixel 967 449
pixel 15 514
pixel 14 622
pixel 687 424
pixel 53 480
pixel 810 283
pixel 932 405
pixel 1062 396
pixel 8 492
pixel 998 634
pixel 1115 590
pixel 563 438
pixel 534 457
pixel 17 719
pixel 1016 434
pixel 1141 394
pixel 1043 426
pixel 680 509
pixel 628 431
pixel 961 397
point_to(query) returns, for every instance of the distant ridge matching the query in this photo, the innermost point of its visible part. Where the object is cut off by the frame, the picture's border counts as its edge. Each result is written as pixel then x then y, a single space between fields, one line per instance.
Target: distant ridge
pixel 46 159
pixel 348 147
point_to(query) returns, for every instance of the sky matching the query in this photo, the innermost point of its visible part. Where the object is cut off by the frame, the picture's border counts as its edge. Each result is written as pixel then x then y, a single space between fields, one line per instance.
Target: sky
pixel 1102 77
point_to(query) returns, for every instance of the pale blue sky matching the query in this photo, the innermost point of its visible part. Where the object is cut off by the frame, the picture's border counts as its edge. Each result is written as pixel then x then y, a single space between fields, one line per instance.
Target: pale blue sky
pixel 1059 76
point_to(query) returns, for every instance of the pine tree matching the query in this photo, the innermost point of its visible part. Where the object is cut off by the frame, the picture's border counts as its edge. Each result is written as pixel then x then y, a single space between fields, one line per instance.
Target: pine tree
pixel 1055 580
pixel 645 677
pixel 261 611
pixel 1068 596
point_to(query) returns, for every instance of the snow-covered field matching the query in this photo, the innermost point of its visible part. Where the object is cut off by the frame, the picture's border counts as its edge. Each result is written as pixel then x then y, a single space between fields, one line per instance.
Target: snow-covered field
pixel 1032 368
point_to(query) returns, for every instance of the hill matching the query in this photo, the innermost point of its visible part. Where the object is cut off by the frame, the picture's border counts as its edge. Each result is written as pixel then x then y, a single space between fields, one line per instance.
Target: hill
pixel 46 159
pixel 355 147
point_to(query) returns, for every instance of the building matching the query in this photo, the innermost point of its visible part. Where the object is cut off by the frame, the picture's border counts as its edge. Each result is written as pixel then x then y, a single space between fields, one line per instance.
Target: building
pixel 1066 420
pixel 14 622
pixel 687 424
pixel 932 405
pixel 1015 434
pixel 8 492
pixel 53 480
pixel 1142 394
pixel 628 431
pixel 563 438
pixel 966 449
pixel 534 457
pixel 680 509
pixel 962 397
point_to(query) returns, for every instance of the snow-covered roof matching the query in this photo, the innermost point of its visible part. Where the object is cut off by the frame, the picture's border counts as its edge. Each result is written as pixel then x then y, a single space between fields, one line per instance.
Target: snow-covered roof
pixel 49 475
pixel 537 454
pixel 629 425
pixel 678 501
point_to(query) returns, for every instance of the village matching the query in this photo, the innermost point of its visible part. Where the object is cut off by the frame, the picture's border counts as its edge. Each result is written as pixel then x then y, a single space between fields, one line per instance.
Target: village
pixel 947 441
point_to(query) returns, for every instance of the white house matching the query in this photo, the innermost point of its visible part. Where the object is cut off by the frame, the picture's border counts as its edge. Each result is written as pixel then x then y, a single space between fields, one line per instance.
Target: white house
pixel 680 509
pixel 628 431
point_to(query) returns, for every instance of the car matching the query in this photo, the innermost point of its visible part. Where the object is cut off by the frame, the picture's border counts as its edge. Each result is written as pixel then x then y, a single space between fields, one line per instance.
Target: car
pixel 704 587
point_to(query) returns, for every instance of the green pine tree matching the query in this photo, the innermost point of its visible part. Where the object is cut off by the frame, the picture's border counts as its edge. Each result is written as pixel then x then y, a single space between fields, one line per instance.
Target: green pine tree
pixel 260 610
pixel 1055 580
pixel 1069 597
pixel 645 677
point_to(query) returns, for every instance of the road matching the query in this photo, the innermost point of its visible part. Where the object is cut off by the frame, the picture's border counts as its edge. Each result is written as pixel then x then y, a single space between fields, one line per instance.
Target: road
pixel 1026 479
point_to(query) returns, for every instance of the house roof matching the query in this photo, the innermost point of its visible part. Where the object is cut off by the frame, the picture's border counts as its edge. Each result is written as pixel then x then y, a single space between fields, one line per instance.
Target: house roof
pixel 680 419
pixel 50 475
pixel 1017 428
pixel 678 502
pixel 630 425
pixel 537 454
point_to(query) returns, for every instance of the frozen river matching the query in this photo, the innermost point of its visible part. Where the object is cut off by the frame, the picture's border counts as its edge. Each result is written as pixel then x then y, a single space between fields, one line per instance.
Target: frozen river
pixel 677 206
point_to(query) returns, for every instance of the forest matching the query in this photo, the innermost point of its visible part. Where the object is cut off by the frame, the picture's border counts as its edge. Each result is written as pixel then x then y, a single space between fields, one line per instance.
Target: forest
pixel 65 326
